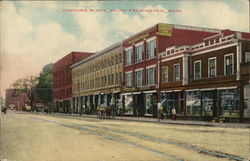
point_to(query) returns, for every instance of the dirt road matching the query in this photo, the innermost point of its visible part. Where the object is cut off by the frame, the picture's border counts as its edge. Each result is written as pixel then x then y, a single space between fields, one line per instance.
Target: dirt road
pixel 30 137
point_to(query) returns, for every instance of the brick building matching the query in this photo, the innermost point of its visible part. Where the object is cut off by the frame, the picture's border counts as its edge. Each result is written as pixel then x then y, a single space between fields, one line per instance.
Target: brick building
pixel 208 79
pixel 15 100
pixel 62 75
pixel 141 67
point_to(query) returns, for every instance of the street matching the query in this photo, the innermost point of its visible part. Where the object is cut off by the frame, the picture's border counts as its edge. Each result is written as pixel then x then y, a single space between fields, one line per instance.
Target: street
pixel 41 137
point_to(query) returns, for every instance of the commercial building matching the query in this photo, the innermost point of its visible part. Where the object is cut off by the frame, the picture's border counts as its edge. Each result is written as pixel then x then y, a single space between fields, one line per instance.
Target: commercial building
pixel 14 99
pixel 62 76
pixel 208 79
pixel 97 80
pixel 141 63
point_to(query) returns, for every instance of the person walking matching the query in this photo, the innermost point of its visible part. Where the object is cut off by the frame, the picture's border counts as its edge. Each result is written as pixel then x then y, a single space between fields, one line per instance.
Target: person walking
pixel 173 114
pixel 161 112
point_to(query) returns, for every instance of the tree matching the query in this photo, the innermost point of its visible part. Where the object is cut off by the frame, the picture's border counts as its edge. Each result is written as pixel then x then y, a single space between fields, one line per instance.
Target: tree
pixel 27 85
pixel 45 83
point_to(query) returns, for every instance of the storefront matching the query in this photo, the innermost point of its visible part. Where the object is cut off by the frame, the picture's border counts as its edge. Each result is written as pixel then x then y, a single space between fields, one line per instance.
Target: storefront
pixel 217 102
pixel 173 99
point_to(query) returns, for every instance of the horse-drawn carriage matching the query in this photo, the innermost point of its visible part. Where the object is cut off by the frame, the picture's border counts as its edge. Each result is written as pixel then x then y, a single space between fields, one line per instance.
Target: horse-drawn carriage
pixel 105 112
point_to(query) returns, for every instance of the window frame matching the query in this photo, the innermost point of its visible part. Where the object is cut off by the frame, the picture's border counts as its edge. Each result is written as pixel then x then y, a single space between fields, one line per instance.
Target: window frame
pixel 214 65
pixel 154 77
pixel 225 65
pixel 174 76
pixel 130 73
pixel 147 42
pixel 162 79
pixel 195 62
pixel 136 80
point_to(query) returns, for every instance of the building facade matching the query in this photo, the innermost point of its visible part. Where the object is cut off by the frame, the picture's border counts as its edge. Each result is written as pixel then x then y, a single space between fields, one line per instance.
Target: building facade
pixel 209 79
pixel 141 63
pixel 15 99
pixel 62 76
pixel 97 81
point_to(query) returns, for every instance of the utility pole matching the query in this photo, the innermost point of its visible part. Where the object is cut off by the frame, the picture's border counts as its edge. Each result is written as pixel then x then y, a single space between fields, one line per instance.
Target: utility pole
pixel 159 91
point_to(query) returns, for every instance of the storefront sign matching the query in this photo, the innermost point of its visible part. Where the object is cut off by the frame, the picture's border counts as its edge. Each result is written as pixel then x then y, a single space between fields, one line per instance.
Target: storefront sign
pixel 145 88
pixel 128 89
pixel 138 38
pixel 165 30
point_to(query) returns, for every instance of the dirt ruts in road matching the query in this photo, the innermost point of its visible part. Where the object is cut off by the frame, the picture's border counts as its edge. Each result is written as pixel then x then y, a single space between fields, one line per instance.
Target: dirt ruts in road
pixel 121 136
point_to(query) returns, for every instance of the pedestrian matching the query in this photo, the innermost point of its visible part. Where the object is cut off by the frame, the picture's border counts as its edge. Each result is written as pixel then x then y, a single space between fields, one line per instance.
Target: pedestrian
pixel 4 110
pixel 161 112
pixel 173 114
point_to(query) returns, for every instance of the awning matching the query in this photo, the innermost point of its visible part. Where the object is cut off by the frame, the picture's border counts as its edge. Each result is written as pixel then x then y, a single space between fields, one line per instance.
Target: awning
pixel 232 87
pixel 137 92
pixel 153 91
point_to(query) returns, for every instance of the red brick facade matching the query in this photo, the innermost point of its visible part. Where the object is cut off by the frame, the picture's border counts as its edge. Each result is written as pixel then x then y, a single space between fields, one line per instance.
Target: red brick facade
pixel 63 76
pixel 16 100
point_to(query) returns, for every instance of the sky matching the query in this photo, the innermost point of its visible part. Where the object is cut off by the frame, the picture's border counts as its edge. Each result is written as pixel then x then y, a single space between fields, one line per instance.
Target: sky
pixel 34 34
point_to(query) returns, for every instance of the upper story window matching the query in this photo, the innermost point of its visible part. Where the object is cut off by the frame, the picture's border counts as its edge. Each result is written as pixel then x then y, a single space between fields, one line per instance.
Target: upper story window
pixel 151 49
pixel 128 79
pixel 212 67
pixel 165 74
pixel 228 64
pixel 151 76
pixel 176 72
pixel 128 57
pixel 197 69
pixel 138 77
pixel 247 56
pixel 139 52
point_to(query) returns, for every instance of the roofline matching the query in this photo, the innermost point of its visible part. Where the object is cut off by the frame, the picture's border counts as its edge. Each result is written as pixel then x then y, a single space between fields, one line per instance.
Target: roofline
pixel 195 28
pixel 116 45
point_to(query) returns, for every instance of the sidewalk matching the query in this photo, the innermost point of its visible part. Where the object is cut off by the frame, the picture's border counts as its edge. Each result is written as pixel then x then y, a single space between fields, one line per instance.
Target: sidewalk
pixel 166 121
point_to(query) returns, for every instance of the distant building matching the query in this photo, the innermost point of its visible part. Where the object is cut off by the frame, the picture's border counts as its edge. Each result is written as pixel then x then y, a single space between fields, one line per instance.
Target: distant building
pixel 62 75
pixel 15 99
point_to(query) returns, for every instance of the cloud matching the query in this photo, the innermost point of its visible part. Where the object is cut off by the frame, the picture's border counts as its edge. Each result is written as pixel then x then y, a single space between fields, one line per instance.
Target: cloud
pixel 26 48
pixel 214 14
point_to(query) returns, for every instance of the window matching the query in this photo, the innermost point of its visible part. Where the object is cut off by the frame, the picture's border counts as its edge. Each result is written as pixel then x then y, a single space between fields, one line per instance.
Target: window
pixel 197 69
pixel 228 64
pixel 116 78
pixel 176 72
pixel 128 79
pixel 193 103
pixel 211 67
pixel 247 56
pixel 128 57
pixel 229 103
pixel 151 76
pixel 139 52
pixel 151 50
pixel 165 74
pixel 138 77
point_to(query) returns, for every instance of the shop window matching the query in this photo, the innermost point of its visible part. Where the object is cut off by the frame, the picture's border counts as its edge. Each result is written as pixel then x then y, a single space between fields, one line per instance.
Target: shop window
pixel 229 103
pixel 247 56
pixel 197 69
pixel 151 102
pixel 228 64
pixel 151 49
pixel 139 52
pixel 128 79
pixel 176 72
pixel 129 104
pixel 247 101
pixel 151 76
pixel 207 103
pixel 172 100
pixel 138 77
pixel 212 67
pixel 193 103
pixel 165 74
pixel 128 57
